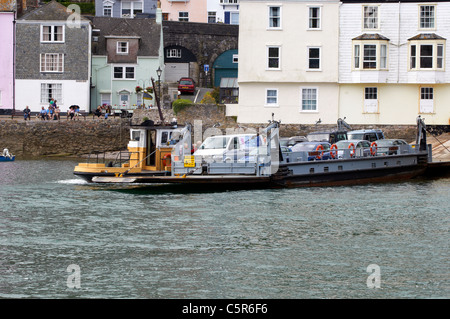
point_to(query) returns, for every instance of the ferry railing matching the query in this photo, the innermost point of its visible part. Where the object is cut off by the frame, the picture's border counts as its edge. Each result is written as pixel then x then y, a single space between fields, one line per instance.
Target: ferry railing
pixel 121 157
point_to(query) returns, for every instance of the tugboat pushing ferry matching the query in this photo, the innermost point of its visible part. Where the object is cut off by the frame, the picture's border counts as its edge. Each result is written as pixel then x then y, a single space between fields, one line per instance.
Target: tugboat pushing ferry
pixel 267 166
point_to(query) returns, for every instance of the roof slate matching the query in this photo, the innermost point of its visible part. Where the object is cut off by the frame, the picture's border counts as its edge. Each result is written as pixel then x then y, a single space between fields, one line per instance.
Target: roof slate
pixel 146 29
pixel 369 36
pixel 51 11
pixel 426 36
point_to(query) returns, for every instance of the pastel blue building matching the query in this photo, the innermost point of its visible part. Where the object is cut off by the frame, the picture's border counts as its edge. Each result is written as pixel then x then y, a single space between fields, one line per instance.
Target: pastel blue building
pixel 125 8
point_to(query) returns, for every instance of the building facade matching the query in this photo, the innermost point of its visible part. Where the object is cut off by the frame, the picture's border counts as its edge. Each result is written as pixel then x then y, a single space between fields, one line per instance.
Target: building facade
pixel 7 38
pixel 394 62
pixel 288 61
pixel 184 10
pixel 126 54
pixel 125 8
pixel 223 11
pixel 52 59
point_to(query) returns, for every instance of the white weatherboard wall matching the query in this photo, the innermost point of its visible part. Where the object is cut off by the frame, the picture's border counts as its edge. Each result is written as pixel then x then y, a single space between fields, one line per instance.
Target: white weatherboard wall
pixel 28 92
pixel 398 87
pixel 294 39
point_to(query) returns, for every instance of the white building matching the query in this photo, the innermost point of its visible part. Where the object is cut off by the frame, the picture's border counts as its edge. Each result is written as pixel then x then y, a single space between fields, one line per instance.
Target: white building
pixel 393 62
pixel 288 61
pixel 223 11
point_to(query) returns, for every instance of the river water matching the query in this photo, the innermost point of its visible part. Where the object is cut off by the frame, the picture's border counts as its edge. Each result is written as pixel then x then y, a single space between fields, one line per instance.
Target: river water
pixel 61 237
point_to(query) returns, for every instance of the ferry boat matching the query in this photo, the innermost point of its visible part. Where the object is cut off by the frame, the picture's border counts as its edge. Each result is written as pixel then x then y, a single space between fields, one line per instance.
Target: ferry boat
pixel 6 156
pixel 268 166
pixel 149 153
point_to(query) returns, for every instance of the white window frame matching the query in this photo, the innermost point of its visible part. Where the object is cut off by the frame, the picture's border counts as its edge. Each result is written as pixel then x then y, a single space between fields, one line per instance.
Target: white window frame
pixel 103 99
pixel 381 61
pixel 212 15
pixel 45 87
pixel 436 57
pixel 426 103
pixel 319 58
pixel 235 58
pixel 183 16
pixel 119 47
pixel 173 53
pixel 278 57
pixel 370 103
pixel 316 89
pixel 274 18
pixel 124 72
pixel 52 33
pixel 423 19
pixel 367 20
pixel 233 19
pixel 311 18
pixel 132 8
pixel 107 6
pixel 48 66
pixel 267 97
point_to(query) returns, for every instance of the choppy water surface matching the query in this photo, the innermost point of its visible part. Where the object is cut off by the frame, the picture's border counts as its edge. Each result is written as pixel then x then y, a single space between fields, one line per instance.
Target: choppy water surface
pixel 290 243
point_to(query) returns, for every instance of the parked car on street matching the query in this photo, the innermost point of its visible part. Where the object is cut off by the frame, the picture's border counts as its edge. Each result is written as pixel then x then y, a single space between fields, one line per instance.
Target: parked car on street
pixel 186 85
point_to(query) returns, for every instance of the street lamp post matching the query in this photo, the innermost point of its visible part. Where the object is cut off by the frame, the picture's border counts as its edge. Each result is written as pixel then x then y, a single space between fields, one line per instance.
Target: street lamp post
pixel 159 72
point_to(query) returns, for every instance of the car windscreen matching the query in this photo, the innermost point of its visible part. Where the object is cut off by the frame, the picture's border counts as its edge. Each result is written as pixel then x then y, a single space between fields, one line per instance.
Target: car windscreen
pixel 302 147
pixel 185 82
pixel 356 136
pixel 215 142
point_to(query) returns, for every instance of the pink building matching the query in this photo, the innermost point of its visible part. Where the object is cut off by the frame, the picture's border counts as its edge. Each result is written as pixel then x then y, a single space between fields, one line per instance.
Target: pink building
pixel 7 19
pixel 184 10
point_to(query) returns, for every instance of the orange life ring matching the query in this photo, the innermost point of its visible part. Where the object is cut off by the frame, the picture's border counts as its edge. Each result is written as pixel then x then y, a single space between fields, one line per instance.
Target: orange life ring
pixel 167 156
pixel 352 154
pixel 333 153
pixel 319 148
pixel 373 148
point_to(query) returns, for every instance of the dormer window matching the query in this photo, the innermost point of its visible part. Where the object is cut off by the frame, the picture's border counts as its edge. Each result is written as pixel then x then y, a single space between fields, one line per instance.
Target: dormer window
pixel 122 47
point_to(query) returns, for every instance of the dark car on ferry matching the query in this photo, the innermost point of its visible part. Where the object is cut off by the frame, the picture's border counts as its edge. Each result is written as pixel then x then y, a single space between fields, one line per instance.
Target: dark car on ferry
pixel 331 136
pixel 368 135
pixel 316 150
pixel 186 85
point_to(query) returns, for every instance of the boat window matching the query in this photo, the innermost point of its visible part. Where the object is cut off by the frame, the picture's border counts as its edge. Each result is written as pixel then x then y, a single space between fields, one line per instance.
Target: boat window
pixel 135 135
pixel 165 137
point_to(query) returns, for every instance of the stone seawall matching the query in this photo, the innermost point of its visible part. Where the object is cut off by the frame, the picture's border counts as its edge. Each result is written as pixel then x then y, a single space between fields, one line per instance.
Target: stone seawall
pixel 41 138
pixel 215 115
pixel 44 138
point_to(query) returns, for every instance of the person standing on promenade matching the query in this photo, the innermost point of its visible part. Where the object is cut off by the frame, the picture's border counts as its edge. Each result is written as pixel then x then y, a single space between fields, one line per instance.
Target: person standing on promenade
pixel 27 114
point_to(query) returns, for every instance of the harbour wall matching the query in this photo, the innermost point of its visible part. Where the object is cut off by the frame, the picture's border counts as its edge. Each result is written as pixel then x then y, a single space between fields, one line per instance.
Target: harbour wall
pixel 60 138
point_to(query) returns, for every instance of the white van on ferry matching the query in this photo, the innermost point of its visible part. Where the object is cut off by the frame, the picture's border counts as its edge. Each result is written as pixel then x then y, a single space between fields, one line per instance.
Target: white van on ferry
pixel 228 147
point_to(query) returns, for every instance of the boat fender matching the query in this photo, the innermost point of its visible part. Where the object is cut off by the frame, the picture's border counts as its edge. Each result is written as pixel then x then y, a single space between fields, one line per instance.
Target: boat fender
pixel 373 148
pixel 167 156
pixel 333 153
pixel 352 152
pixel 319 148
